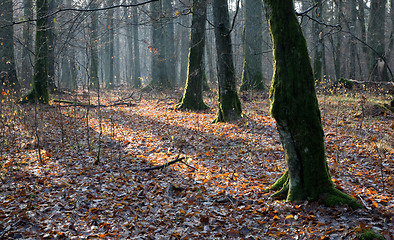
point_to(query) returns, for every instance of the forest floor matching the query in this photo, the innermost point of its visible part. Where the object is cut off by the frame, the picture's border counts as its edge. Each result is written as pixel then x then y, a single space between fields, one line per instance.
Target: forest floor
pixel 75 172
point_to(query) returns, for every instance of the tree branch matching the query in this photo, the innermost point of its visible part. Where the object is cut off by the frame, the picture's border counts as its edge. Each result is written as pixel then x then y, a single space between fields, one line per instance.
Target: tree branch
pixel 177 159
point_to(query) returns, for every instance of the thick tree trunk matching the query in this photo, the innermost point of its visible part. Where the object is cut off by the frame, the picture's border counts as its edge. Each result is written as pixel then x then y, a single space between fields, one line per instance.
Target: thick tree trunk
pixel 295 108
pixel 376 39
pixel 7 58
pixel 40 77
pixel 229 104
pixel 252 73
pixel 193 93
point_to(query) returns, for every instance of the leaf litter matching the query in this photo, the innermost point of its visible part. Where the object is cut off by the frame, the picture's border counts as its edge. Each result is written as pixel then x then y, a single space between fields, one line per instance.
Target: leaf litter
pixel 77 179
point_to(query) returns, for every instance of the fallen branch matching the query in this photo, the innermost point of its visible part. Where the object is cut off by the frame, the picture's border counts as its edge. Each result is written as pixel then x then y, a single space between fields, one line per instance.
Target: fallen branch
pixel 177 159
pixel 80 104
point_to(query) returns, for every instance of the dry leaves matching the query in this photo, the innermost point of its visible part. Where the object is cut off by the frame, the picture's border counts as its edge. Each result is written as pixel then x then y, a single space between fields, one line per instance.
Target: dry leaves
pixel 217 193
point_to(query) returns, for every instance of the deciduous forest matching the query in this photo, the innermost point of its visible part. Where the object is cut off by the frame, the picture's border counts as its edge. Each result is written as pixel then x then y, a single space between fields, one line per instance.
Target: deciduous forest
pixel 196 119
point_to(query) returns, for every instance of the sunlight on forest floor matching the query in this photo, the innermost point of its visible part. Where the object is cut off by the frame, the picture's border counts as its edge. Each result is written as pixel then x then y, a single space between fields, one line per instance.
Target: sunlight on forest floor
pixel 51 185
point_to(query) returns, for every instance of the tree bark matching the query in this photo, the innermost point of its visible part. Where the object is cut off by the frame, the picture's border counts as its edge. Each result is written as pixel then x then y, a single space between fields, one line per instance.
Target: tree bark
pixel 229 104
pixel 136 50
pixel 159 67
pixel 193 93
pixel 295 108
pixel 170 54
pixel 7 58
pixel 376 39
pixel 27 58
pixel 318 41
pixel 111 42
pixel 94 59
pixel 51 51
pixel 252 73
pixel 40 77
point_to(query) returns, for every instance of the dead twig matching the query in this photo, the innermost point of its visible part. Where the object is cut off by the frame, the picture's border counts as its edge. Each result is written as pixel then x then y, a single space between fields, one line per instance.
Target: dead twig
pixel 177 159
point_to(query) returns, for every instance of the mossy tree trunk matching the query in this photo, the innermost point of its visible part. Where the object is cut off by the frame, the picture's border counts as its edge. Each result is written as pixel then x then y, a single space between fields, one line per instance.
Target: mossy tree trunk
pixel 40 77
pixel 7 58
pixel 252 74
pixel 376 39
pixel 229 104
pixel 158 49
pixel 193 93
pixel 318 41
pixel 94 59
pixel 295 108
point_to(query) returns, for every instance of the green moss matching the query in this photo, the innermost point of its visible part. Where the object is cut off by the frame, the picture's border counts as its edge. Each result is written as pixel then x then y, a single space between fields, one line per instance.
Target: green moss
pixel 229 107
pixel 335 197
pixel 295 108
pixel 370 235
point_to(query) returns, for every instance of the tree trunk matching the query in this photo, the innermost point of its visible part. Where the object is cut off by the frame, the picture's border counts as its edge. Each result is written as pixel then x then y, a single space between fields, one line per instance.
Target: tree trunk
pixel 159 67
pixel 27 58
pixel 375 36
pixel 136 50
pixel 40 77
pixel 184 48
pixel 352 40
pixel 295 108
pixel 229 104
pixel 111 42
pixel 193 93
pixel 51 44
pixel 252 73
pixel 7 58
pixel 338 43
pixel 318 41
pixel 94 59
pixel 170 54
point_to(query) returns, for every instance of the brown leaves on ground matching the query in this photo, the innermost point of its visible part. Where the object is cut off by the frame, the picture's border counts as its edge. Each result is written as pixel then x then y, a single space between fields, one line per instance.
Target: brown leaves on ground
pixel 51 187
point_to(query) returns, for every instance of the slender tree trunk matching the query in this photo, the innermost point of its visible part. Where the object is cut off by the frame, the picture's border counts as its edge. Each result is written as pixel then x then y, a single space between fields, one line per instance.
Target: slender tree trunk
pixel 338 43
pixel 193 93
pixel 7 58
pixel 51 50
pixel 376 40
pixel 252 73
pixel 352 40
pixel 94 59
pixel 318 41
pixel 136 50
pixel 295 108
pixel 27 58
pixel 229 104
pixel 40 77
pixel 170 40
pixel 111 42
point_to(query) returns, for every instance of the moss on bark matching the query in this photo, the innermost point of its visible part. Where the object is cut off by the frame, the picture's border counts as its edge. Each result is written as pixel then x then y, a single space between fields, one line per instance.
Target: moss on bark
pixel 295 108
pixel 229 104
pixel 193 93
pixel 40 78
